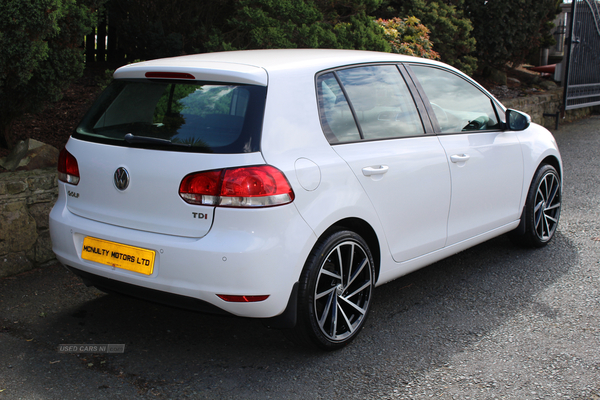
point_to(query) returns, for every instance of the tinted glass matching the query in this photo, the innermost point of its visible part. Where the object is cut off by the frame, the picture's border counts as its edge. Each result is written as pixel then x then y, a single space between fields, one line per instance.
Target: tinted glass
pixel 458 105
pixel 177 116
pixel 336 118
pixel 383 105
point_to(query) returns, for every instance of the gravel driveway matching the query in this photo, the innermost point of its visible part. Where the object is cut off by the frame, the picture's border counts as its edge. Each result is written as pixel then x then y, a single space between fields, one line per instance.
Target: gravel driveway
pixel 492 322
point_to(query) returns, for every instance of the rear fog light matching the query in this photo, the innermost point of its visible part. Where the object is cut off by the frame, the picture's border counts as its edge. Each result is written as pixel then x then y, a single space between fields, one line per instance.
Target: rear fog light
pixel 242 299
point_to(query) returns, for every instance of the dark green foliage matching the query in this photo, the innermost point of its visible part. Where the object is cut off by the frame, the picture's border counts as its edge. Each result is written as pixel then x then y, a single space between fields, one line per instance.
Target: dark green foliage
pixel 299 23
pixel 450 30
pixel 40 39
pixel 150 29
pixel 508 31
pixel 39 53
pixel 161 28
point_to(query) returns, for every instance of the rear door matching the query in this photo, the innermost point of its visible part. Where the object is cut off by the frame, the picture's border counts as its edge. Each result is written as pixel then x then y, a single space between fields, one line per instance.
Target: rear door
pixel 370 118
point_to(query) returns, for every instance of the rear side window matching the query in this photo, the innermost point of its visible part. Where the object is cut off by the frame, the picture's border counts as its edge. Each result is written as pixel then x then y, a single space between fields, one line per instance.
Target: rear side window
pixel 184 116
pixel 382 103
pixel 370 102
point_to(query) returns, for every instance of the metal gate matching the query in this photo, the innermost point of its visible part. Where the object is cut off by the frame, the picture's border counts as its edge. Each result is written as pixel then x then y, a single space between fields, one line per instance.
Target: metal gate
pixel 582 75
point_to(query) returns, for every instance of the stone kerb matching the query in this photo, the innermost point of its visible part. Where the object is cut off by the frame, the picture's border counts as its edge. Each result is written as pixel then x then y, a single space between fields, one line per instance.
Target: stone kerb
pixel 26 198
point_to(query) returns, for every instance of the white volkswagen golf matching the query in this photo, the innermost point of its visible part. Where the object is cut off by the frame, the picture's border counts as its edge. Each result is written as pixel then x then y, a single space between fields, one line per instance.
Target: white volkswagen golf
pixel 287 184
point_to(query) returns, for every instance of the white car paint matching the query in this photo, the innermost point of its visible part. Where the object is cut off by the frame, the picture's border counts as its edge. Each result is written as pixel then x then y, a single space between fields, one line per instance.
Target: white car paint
pixel 484 196
pixel 411 197
pixel 435 206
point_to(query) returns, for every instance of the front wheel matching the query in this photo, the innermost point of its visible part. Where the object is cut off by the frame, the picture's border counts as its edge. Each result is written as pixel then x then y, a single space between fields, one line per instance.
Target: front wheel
pixel 542 209
pixel 336 290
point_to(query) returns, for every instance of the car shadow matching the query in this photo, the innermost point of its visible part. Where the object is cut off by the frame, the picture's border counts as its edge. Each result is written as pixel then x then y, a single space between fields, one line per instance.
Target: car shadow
pixel 416 321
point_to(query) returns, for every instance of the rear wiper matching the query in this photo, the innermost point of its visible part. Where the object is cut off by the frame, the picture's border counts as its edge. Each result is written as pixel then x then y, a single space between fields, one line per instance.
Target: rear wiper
pixel 132 139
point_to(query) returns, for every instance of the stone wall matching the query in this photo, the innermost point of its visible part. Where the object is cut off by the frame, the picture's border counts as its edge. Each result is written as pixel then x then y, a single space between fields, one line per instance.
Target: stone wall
pixel 26 198
pixel 546 103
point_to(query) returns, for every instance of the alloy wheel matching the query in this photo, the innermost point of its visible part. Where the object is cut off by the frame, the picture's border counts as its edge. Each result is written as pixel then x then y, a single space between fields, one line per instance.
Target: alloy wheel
pixel 546 209
pixel 343 291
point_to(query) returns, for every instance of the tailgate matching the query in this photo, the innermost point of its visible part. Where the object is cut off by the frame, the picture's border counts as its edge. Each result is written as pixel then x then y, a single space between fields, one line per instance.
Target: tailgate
pixel 151 201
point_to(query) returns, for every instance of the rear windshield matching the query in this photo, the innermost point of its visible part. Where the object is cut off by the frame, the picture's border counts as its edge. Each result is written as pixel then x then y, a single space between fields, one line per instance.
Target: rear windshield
pixel 180 116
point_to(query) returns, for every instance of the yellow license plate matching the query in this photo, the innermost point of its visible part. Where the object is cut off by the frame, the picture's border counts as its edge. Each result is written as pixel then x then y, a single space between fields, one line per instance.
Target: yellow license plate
pixel 118 255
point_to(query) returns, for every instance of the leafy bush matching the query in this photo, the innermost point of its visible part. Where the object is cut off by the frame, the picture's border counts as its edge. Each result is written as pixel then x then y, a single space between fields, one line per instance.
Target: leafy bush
pixel 408 36
pixel 39 54
pixel 299 23
pixel 459 29
pixel 183 26
pixel 450 29
pixel 148 29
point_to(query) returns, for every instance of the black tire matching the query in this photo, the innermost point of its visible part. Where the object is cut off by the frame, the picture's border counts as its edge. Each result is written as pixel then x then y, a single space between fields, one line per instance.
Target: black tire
pixel 336 291
pixel 542 209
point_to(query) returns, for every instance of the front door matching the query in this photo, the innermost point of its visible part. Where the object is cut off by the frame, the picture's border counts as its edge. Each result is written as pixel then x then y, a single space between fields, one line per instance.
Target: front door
pixel 486 163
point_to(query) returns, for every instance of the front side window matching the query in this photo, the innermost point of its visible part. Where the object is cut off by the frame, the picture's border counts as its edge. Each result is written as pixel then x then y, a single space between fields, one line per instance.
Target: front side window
pixel 371 102
pixel 458 105
pixel 177 116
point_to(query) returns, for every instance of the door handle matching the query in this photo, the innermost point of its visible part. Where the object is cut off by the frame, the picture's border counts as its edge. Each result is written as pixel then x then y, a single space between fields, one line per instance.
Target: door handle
pixel 459 158
pixel 378 170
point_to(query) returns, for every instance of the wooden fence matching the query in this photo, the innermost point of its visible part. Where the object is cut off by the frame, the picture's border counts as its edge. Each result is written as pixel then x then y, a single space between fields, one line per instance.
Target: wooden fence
pixel 102 44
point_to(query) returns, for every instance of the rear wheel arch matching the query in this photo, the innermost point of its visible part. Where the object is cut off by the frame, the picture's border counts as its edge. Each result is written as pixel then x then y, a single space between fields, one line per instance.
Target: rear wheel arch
pixel 365 230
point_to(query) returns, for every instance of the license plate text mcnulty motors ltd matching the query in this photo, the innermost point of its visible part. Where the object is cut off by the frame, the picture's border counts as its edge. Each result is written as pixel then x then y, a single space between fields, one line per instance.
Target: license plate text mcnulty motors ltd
pixel 118 255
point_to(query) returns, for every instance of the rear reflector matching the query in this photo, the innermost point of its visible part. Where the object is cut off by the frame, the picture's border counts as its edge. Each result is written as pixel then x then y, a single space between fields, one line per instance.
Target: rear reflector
pixel 170 75
pixel 242 299
pixel 256 186
pixel 68 170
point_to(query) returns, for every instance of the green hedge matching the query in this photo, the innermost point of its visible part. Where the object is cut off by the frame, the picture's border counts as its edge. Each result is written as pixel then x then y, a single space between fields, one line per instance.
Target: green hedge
pixel 40 53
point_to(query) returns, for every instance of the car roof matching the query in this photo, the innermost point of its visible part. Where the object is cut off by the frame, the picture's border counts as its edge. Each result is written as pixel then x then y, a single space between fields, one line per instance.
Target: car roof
pixel 254 66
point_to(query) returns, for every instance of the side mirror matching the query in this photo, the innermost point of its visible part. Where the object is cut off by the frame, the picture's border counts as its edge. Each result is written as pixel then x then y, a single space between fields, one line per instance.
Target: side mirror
pixel 517 120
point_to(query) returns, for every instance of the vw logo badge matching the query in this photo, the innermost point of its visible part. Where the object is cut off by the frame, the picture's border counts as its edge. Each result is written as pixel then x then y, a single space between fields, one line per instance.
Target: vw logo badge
pixel 121 178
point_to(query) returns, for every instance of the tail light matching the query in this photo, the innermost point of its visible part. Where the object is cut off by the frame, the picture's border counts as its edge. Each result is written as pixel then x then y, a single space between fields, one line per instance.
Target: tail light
pixel 68 170
pixel 257 186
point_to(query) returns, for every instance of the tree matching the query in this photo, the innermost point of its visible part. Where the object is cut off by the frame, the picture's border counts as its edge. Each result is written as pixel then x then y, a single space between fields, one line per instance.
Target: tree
pixel 450 30
pixel 519 27
pixel 300 23
pixel 148 29
pixel 161 28
pixel 39 54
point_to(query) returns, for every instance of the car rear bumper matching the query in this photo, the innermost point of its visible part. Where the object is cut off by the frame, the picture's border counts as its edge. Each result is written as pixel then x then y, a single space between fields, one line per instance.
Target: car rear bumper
pixel 246 253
